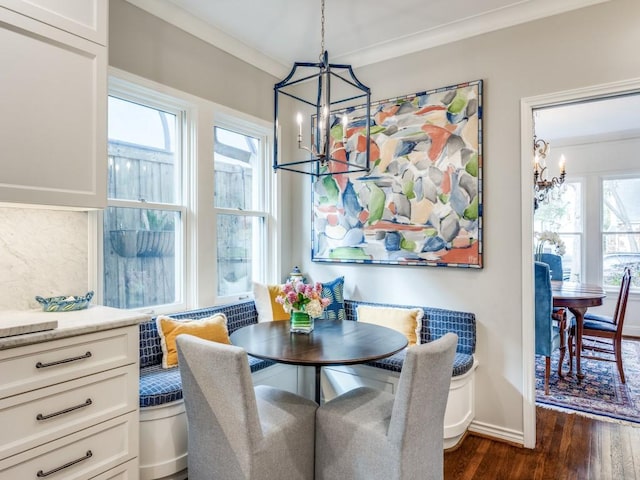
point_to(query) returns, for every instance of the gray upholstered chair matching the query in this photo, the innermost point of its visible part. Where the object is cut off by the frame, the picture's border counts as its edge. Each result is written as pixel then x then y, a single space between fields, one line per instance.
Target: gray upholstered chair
pixel 237 432
pixel 368 434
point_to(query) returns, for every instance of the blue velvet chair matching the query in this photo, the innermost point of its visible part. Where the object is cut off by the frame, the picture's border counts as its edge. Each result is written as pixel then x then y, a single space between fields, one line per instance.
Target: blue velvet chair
pixel 555 264
pixel 549 335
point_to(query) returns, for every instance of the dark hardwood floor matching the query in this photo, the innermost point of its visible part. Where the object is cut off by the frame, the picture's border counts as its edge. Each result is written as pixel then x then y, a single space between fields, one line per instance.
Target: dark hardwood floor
pixel 568 446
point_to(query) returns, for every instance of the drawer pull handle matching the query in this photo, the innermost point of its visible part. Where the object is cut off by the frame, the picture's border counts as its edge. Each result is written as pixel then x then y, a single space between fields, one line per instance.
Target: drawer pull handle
pixel 66 410
pixel 66 360
pixel 41 474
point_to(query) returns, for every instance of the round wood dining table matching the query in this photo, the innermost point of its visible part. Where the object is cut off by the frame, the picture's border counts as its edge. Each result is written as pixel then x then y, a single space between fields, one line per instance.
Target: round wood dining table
pixel 577 297
pixel 332 342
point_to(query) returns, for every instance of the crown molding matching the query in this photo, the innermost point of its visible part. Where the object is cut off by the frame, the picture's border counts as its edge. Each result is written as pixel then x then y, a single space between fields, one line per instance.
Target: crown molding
pixel 522 12
pixel 497 19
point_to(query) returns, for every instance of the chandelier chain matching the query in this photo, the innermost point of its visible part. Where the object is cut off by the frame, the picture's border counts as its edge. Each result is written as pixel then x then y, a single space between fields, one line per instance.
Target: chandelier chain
pixel 321 30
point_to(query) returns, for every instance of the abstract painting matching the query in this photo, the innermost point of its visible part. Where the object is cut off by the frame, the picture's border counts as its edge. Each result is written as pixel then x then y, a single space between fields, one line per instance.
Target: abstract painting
pixel 421 201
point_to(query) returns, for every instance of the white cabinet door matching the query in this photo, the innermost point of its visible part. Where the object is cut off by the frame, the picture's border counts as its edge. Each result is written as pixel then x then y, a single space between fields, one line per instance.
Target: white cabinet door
pixel 85 18
pixel 52 115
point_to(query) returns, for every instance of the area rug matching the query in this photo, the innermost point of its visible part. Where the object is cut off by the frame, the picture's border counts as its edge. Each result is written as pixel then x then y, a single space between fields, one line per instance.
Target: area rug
pixel 601 392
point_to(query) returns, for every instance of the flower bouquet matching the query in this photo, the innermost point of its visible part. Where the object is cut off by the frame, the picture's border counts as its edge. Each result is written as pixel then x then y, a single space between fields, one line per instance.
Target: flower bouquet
pixel 303 302
pixel 554 239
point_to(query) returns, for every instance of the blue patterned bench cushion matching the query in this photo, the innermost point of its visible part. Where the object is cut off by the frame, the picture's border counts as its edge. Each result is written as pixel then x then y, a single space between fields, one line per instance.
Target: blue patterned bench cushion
pixel 164 385
pixel 461 364
pixel 435 323
pixel 238 315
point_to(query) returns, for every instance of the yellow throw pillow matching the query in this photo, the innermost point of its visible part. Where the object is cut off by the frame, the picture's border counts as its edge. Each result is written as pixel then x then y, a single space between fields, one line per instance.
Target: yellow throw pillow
pixel 266 305
pixel 213 328
pixel 407 321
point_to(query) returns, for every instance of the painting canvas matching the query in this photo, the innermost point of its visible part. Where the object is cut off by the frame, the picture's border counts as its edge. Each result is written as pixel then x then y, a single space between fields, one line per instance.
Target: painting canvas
pixel 421 201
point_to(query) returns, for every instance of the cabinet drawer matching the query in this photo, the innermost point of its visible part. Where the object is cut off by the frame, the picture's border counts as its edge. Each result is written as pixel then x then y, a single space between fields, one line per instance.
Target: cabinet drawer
pixel 126 471
pixel 82 455
pixel 35 366
pixel 49 413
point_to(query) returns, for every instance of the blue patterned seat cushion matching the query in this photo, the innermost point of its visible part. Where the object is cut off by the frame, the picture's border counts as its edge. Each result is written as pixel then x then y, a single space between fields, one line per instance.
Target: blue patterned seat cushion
pixel 461 364
pixel 164 385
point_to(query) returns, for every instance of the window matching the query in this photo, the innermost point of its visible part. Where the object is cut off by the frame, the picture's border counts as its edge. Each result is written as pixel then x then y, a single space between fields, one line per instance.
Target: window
pixel 620 229
pixel 191 214
pixel 563 214
pixel 240 209
pixel 142 234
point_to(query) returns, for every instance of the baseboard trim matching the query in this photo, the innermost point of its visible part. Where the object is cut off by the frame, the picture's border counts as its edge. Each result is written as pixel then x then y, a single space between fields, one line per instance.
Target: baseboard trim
pixel 500 434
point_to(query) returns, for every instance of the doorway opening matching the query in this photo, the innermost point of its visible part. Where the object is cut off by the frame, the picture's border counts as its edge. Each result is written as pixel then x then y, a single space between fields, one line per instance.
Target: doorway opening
pixel 573 123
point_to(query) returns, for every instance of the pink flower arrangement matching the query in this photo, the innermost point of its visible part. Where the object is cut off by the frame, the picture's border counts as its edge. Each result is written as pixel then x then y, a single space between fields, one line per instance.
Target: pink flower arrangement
pixel 300 296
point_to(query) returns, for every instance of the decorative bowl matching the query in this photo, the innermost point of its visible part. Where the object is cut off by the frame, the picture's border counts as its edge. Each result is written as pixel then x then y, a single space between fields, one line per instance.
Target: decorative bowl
pixel 65 304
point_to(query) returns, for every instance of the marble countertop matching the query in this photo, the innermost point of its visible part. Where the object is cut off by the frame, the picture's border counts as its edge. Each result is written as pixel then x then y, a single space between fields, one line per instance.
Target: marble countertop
pixel 69 324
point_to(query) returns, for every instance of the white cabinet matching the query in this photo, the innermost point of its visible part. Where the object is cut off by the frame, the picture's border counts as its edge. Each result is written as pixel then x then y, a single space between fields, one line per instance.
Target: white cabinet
pixel 85 18
pixel 53 102
pixel 70 406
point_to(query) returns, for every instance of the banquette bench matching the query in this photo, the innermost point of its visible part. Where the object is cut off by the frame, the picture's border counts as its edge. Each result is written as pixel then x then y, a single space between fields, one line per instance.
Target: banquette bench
pixel 163 428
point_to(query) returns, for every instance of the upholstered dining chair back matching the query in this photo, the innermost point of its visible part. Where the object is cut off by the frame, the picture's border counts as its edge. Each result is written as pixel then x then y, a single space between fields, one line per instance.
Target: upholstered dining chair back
pixel 555 265
pixel 547 339
pixel 368 434
pixel 549 336
pixel 236 432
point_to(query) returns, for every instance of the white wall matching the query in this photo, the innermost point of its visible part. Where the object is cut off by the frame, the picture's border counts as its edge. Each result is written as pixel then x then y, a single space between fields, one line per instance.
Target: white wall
pixel 591 46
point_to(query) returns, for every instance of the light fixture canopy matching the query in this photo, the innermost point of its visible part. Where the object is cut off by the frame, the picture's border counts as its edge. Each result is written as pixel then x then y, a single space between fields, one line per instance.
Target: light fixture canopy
pixel 541 186
pixel 339 142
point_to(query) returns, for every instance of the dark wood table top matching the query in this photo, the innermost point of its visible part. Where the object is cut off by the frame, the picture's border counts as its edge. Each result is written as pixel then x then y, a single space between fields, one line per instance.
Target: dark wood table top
pixel 332 342
pixel 572 294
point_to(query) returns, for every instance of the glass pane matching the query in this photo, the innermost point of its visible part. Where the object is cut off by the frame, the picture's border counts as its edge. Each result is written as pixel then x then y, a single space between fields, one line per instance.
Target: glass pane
pixel 563 213
pixel 234 159
pixel 620 251
pixel 143 163
pixel 621 206
pixel 572 259
pixel 238 242
pixel 620 227
pixel 140 262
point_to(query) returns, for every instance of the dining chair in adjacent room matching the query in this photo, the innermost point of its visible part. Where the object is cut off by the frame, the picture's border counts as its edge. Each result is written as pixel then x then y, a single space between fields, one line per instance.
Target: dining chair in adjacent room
pixel 369 434
pixel 236 431
pixel 603 334
pixel 555 265
pixel 549 335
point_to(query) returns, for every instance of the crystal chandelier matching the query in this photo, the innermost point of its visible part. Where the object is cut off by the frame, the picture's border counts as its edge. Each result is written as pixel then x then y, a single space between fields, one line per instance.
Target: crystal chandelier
pixel 543 187
pixel 339 142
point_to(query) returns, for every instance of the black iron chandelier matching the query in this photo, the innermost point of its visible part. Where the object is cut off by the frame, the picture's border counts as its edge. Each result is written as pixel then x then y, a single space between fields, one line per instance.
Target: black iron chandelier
pixel 340 121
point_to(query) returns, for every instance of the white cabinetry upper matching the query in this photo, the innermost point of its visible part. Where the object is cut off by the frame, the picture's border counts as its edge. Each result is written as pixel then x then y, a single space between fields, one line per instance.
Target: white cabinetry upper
pixel 85 18
pixel 53 102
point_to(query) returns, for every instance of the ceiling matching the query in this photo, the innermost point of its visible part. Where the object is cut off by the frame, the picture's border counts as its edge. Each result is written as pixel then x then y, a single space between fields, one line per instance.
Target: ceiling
pixel 272 34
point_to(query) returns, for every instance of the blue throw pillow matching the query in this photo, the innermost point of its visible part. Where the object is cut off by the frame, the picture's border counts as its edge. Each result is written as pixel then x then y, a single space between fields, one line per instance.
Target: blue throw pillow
pixel 334 291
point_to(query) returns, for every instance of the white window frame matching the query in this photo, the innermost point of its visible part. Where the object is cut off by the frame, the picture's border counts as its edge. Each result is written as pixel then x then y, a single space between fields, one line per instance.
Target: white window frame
pixel 601 234
pixel 199 270
pixel 262 194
